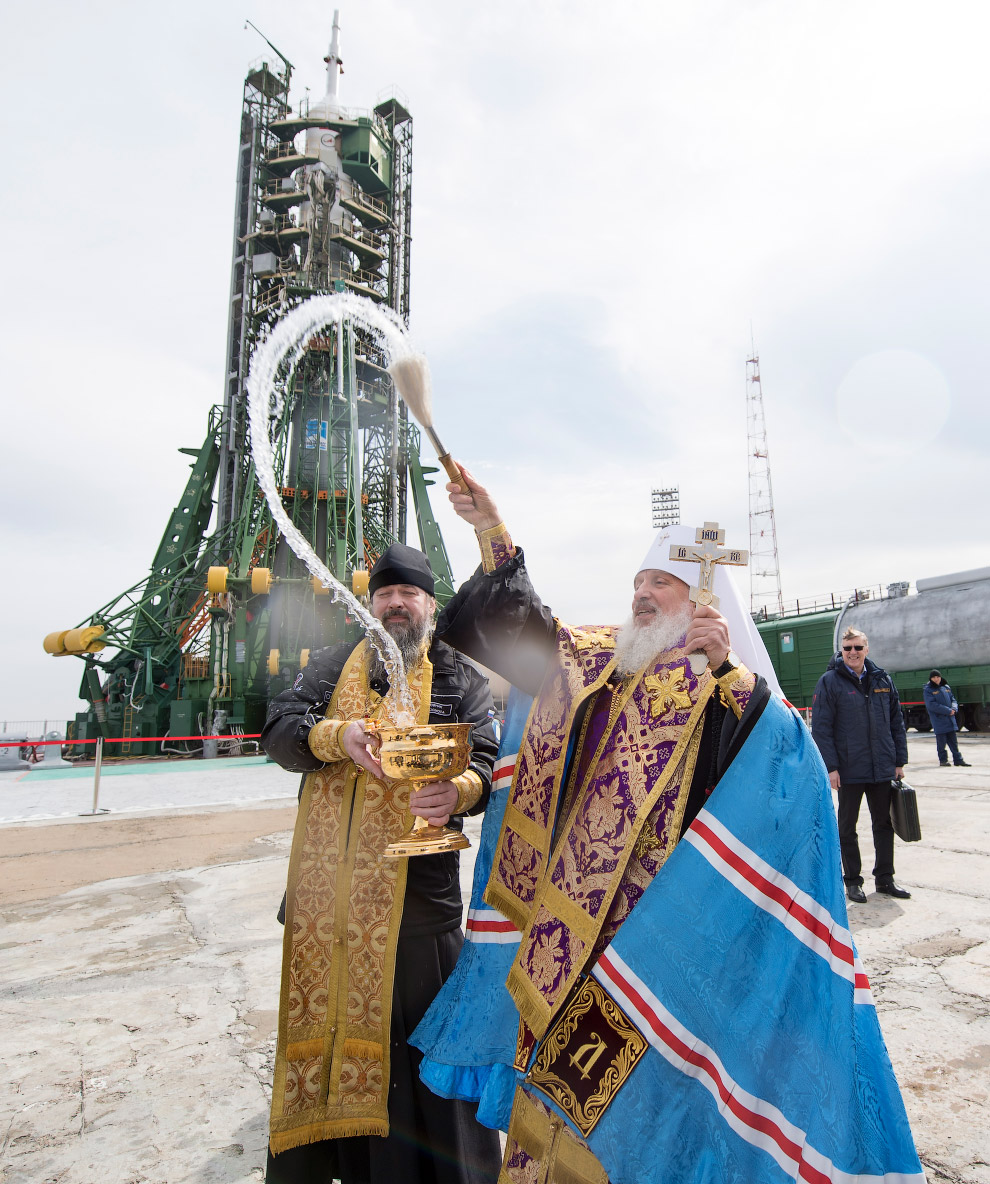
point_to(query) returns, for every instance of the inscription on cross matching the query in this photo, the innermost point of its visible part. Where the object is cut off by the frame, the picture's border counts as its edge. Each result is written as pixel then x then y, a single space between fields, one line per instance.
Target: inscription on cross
pixel 707 552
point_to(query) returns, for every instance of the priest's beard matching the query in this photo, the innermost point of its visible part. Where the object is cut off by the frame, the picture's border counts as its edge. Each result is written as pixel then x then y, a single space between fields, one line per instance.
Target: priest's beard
pixel 635 645
pixel 410 635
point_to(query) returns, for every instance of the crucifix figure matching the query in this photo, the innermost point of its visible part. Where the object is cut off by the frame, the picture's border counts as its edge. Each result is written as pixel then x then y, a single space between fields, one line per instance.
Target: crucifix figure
pixel 707 552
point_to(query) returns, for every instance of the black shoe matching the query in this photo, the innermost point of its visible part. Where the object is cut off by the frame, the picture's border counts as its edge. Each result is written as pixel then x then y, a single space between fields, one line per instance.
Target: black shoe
pixel 943 764
pixel 889 888
pixel 963 765
pixel 855 893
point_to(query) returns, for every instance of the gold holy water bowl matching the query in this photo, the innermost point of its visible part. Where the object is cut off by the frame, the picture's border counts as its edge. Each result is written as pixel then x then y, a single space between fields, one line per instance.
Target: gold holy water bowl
pixel 418 755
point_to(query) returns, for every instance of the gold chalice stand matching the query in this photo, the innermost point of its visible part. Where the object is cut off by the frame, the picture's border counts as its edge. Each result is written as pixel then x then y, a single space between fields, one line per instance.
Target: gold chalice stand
pixel 416 756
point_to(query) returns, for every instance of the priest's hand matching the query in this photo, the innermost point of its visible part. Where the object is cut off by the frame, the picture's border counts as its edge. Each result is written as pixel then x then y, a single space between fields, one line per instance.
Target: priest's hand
pixel 708 631
pixel 434 802
pixel 475 506
pixel 356 741
pixel 834 780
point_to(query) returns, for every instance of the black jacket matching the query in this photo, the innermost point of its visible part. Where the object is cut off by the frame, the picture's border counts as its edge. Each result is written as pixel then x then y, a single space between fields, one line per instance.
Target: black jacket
pixel 460 694
pixel 857 724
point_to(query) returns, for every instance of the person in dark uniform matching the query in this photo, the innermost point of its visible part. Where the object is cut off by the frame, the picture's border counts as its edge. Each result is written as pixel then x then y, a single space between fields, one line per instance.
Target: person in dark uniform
pixel 857 724
pixel 369 941
pixel 943 711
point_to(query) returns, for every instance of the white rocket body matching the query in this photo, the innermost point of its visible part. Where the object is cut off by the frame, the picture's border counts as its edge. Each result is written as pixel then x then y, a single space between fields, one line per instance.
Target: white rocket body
pixel 323 141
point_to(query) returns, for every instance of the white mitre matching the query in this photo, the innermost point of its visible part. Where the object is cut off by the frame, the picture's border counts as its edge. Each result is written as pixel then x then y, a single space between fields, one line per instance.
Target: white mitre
pixel 744 637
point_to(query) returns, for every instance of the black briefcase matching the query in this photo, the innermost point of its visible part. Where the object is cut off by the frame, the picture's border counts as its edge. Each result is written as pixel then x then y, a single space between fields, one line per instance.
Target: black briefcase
pixel 904 812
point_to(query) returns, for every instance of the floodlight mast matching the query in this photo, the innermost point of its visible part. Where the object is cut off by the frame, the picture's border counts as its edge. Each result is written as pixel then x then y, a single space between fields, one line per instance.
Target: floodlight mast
pixel 666 506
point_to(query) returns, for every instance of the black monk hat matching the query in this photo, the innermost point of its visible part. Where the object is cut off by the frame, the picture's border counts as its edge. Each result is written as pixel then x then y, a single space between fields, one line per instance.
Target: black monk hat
pixel 400 564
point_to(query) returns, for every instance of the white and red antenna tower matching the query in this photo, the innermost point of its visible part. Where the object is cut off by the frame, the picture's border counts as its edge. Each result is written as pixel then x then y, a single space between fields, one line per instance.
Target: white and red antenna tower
pixel 764 567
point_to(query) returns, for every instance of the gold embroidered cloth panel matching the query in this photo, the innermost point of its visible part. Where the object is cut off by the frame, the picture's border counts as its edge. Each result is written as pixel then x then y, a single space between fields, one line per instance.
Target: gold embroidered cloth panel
pixel 343 908
pixel 621 822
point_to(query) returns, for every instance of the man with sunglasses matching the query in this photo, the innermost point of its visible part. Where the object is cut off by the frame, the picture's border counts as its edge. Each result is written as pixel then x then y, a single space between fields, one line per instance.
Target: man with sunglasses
pixel 857 724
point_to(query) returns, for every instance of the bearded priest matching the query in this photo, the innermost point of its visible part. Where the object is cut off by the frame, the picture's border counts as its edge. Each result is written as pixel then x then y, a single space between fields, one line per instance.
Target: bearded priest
pixel 368 940
pixel 710 985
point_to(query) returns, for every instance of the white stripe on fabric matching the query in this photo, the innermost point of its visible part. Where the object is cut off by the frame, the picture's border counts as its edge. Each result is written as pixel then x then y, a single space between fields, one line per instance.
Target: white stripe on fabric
pixel 835 946
pixel 505 766
pixel 488 927
pixel 754 1119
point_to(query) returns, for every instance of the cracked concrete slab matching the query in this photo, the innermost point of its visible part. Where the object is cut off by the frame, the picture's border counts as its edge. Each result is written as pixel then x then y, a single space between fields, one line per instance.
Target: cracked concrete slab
pixel 139 1011
pixel 128 1056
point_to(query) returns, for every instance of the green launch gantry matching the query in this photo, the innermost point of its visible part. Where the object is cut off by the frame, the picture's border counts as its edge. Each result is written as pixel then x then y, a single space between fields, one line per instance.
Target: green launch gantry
pixel 228 614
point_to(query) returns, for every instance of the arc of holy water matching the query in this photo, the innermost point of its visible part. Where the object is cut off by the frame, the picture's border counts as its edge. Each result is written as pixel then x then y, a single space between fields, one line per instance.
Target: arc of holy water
pixel 286 343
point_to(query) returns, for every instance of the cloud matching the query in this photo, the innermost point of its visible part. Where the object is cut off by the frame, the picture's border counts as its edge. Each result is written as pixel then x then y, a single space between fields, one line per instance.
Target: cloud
pixel 605 201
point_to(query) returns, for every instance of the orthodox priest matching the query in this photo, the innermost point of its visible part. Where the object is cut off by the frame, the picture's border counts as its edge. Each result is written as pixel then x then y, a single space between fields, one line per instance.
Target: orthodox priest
pixel 369 941
pixel 678 977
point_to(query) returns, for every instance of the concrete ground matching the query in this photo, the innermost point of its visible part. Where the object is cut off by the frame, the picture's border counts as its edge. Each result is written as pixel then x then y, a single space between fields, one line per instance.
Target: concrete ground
pixel 139 963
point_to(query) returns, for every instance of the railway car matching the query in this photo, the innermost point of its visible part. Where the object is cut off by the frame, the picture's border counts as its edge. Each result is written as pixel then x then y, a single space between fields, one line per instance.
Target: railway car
pixel 945 625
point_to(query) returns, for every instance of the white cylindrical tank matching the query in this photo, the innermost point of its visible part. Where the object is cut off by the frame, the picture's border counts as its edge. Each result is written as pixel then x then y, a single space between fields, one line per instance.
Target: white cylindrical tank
pixel 946 624
pixel 325 177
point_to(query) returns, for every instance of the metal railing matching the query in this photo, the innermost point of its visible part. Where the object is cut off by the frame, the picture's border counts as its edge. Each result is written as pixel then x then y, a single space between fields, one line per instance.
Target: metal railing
pixel 360 234
pixel 351 115
pixel 285 149
pixel 827 603
pixel 276 187
pixel 31 729
pixel 357 275
pixel 372 203
pixel 287 222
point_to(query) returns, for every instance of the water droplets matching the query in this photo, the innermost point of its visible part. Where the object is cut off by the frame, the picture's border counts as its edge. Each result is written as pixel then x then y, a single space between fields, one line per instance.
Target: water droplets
pixel 275 357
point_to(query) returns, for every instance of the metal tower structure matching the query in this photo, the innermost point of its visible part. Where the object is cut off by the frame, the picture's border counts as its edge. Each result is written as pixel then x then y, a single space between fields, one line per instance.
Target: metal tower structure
pixel 228 613
pixel 764 567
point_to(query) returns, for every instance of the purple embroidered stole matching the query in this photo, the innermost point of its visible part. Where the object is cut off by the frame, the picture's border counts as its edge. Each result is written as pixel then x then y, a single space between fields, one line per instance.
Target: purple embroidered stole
pixel 632 772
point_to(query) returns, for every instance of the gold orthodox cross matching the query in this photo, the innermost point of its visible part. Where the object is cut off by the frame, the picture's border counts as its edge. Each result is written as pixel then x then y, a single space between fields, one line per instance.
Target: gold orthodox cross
pixel 667 692
pixel 707 552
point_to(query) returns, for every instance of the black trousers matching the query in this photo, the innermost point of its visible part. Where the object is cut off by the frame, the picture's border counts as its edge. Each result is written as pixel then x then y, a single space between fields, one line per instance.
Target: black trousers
pixel 431 1140
pixel 878 799
pixel 943 738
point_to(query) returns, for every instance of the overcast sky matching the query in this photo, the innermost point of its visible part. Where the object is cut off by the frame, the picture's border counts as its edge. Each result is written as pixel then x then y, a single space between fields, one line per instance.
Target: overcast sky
pixel 607 199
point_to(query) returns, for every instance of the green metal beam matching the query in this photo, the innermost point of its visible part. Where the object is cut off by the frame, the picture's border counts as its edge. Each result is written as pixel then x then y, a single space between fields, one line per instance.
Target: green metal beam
pixel 430 539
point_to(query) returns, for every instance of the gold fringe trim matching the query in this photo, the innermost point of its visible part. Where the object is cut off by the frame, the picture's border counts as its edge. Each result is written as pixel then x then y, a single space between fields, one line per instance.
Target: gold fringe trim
pixel 533 1009
pixel 317 1132
pixel 511 907
pixel 369 1049
pixel 301 1050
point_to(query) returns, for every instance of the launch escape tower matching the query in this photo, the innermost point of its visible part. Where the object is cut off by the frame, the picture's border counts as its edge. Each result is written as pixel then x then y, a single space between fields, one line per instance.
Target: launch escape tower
pixel 228 613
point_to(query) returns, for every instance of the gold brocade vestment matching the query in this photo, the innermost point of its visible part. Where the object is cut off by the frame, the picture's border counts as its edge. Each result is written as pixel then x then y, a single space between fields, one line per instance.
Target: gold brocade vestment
pixel 343 909
pixel 569 877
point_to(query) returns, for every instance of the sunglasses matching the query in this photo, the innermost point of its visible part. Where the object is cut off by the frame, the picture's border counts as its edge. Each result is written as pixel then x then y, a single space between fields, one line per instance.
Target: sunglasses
pixel 858 648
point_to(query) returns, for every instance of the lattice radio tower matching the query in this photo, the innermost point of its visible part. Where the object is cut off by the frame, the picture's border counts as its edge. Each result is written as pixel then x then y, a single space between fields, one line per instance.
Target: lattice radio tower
pixel 764 567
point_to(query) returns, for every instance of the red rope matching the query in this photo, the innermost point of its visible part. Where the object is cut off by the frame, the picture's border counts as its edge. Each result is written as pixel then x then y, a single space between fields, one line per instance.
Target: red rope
pixel 119 740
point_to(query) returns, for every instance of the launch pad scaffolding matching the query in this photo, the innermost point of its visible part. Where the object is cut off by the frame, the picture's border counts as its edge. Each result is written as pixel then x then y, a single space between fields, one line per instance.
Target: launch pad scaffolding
pixel 228 614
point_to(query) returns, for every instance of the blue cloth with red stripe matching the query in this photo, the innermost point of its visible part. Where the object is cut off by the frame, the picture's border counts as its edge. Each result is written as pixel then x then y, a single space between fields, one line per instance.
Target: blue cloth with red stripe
pixel 468 1036
pixel 766 1062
